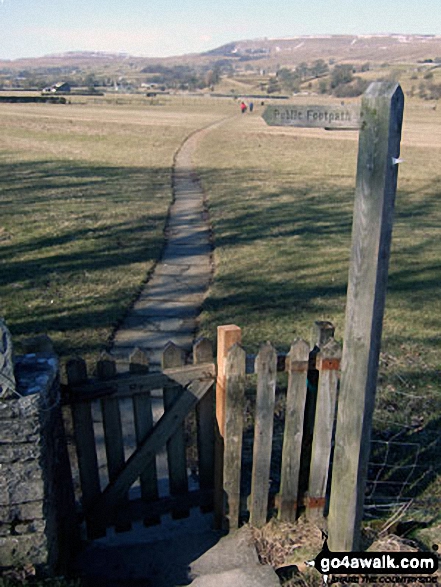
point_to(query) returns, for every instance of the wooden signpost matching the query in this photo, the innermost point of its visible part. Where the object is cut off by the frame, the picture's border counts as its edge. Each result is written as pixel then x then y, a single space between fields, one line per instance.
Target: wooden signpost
pixel 379 122
pixel 333 117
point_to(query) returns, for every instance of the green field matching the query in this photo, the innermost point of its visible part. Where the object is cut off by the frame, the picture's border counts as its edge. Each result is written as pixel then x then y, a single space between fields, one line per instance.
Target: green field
pixel 281 206
pixel 85 189
pixel 84 193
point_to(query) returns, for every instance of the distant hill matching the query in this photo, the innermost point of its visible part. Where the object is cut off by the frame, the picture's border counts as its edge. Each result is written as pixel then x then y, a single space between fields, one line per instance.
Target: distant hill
pixel 265 53
pixel 337 48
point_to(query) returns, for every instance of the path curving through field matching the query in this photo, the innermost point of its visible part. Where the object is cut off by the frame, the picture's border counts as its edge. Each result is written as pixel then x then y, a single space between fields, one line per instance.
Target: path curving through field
pixel 170 302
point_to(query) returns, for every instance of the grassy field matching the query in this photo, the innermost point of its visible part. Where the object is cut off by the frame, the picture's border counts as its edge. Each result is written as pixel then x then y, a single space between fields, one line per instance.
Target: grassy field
pixel 84 193
pixel 85 190
pixel 281 206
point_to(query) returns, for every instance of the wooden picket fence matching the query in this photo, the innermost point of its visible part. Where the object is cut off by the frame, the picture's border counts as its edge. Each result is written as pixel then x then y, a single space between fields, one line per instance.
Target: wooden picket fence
pixel 188 390
pixel 310 409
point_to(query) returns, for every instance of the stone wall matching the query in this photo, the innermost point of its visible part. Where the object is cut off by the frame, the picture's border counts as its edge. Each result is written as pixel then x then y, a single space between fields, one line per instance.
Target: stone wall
pixel 37 512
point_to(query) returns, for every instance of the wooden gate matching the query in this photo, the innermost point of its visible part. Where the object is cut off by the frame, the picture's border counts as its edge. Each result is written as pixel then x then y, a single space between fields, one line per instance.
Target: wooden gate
pixel 105 497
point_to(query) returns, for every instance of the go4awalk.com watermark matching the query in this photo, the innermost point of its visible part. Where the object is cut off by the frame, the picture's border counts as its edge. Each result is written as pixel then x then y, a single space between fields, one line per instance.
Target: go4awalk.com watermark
pixel 381 568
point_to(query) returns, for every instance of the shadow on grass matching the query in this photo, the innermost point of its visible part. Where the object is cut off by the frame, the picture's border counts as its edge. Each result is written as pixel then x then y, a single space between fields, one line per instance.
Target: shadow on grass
pixel 76 243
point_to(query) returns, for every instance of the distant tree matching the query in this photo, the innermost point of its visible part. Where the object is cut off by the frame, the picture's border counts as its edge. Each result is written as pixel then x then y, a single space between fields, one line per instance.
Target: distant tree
pixel 273 86
pixel 319 68
pixel 212 77
pixel 302 70
pixel 323 86
pixel 351 90
pixel 289 80
pixel 342 74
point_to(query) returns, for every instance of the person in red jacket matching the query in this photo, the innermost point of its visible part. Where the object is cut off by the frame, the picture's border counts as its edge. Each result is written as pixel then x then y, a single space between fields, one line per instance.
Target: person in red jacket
pixel 243 107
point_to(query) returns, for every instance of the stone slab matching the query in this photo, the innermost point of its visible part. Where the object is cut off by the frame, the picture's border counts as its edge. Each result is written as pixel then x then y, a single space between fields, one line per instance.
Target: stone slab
pixel 233 551
pixel 257 576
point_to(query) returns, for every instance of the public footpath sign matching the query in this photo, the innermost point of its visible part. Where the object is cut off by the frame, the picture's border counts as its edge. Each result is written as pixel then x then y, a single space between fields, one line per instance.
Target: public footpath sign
pixel 379 121
pixel 332 117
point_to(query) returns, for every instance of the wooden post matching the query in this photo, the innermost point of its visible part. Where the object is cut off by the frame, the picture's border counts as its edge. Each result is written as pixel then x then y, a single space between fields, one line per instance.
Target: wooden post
pixel 297 367
pixel 328 365
pixel 234 421
pixel 377 171
pixel 227 336
pixel 266 368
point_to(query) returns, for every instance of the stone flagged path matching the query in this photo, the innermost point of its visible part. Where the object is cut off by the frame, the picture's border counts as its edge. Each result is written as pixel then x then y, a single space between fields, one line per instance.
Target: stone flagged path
pixel 169 305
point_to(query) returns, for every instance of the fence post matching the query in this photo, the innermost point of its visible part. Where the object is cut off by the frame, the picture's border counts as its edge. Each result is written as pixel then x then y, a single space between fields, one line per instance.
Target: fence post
pixel 328 365
pixel 377 171
pixel 227 336
pixel 234 421
pixel 266 368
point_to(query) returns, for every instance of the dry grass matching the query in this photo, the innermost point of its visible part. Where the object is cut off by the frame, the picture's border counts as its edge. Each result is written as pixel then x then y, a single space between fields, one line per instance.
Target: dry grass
pixel 85 189
pixel 281 206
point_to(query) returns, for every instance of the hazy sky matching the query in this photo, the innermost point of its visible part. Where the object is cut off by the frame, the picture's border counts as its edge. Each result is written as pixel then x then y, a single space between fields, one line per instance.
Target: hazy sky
pixel 158 28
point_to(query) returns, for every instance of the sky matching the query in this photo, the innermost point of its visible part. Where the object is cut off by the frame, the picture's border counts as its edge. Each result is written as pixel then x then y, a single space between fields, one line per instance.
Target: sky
pixel 161 28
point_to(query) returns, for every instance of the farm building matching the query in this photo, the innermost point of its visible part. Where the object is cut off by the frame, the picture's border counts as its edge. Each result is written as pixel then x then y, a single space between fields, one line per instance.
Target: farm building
pixel 59 88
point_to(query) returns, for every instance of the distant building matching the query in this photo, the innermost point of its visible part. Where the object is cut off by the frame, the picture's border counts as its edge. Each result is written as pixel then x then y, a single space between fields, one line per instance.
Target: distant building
pixel 59 88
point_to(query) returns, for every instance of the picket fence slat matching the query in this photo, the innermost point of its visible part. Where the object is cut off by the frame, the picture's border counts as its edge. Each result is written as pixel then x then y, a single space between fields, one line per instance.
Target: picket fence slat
pixel 205 420
pixel 143 420
pixel 297 366
pixel 113 435
pixel 176 453
pixel 328 364
pixel 266 368
pixel 84 436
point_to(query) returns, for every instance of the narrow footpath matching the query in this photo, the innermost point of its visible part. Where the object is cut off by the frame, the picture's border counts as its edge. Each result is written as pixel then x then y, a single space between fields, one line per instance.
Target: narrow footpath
pixel 169 305
pixel 176 552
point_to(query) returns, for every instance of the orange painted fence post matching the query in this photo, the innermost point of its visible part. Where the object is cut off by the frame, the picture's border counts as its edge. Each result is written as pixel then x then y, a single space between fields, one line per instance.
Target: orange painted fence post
pixel 227 337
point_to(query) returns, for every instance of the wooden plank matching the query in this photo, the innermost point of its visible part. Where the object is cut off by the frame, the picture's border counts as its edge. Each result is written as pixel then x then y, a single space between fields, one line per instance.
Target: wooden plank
pixel 332 116
pixel 138 509
pixel 142 410
pixel 124 386
pixel 114 445
pixel 377 171
pixel 234 417
pixel 143 419
pixel 138 361
pixel 127 385
pixel 113 436
pixel 297 367
pixel 205 420
pixel 84 436
pixel 321 332
pixel 328 365
pixel 106 367
pixel 227 336
pixel 156 439
pixel 266 367
pixel 173 357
